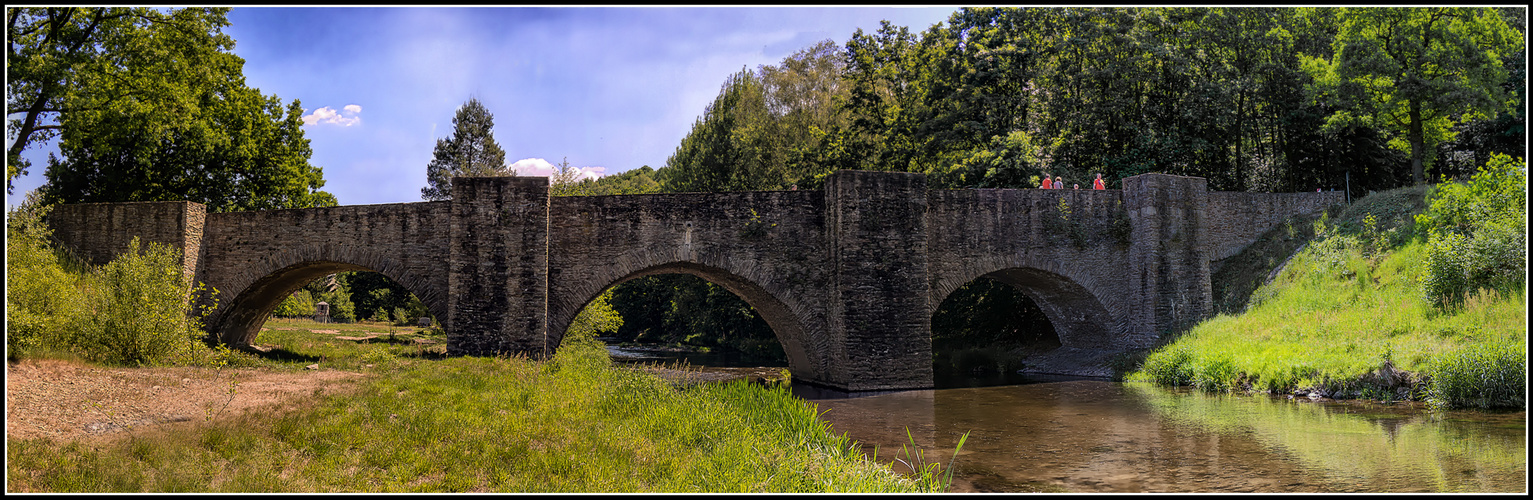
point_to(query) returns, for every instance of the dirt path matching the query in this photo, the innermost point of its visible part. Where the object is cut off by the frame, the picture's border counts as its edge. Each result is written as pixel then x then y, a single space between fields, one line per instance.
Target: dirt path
pixel 68 400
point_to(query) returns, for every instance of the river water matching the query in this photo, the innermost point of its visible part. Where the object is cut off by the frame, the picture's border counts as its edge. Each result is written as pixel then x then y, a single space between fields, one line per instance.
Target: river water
pixel 1052 434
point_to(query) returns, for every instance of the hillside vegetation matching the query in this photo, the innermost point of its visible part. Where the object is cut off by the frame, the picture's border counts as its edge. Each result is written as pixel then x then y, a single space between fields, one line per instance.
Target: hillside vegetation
pixel 1389 300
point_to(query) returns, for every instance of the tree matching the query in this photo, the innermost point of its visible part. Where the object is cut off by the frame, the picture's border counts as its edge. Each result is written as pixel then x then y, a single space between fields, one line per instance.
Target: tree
pixel 728 147
pixel 470 152
pixel 1411 70
pixel 151 106
pixel 240 151
pixel 61 61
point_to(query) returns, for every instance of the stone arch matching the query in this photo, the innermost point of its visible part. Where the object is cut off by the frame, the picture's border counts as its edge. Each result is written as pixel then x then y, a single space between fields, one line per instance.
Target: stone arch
pixel 1082 316
pixel 790 319
pixel 258 289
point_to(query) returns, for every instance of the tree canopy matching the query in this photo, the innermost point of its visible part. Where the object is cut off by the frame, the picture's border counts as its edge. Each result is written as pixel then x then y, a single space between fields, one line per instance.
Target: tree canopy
pixel 150 105
pixel 1416 71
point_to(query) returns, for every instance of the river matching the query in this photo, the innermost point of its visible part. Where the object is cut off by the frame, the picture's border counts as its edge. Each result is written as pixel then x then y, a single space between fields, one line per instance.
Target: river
pixel 1055 434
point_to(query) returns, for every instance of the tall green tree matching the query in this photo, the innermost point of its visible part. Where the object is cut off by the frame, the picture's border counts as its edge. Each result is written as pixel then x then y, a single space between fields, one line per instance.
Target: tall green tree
pixel 470 152
pixel 1412 70
pixel 728 148
pixel 105 60
pixel 162 114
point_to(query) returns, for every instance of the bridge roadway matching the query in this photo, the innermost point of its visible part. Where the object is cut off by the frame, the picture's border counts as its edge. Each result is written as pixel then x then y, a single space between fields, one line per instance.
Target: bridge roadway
pixel 847 276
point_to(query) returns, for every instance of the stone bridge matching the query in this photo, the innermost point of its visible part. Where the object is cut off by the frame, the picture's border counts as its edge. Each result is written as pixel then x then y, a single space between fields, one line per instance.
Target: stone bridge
pixel 847 277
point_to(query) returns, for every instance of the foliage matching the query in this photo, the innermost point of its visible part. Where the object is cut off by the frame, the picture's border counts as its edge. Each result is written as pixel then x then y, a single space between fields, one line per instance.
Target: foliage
pixel 1476 233
pixel 151 106
pixel 133 310
pixel 1415 69
pixel 137 312
pixel 42 300
pixel 57 58
pixel 470 152
pixel 299 304
pixel 342 310
pixel 1480 376
pixel 763 129
pixel 685 309
pixel 596 318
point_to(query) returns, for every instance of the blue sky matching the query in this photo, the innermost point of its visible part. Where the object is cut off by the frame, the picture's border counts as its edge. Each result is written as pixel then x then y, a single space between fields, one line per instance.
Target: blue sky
pixel 610 89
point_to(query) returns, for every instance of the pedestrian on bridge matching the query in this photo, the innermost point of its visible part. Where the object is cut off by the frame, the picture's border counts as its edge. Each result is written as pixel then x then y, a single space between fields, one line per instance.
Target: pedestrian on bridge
pixel 1098 184
pixel 1046 183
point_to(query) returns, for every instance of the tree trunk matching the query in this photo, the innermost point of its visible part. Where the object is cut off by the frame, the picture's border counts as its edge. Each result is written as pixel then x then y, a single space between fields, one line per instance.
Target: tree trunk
pixel 1418 169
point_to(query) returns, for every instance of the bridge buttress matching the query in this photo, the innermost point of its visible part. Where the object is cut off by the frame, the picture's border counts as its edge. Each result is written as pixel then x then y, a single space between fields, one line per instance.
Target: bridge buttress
pixel 497 300
pixel 880 323
pixel 1168 283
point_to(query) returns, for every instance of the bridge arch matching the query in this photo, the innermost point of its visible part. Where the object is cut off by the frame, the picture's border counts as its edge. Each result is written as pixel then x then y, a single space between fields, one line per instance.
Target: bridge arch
pixel 247 298
pixel 1082 316
pixel 791 321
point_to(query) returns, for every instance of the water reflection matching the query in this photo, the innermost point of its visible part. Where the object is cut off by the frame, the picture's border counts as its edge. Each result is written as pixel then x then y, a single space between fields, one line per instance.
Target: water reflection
pixel 1095 436
pixel 1061 434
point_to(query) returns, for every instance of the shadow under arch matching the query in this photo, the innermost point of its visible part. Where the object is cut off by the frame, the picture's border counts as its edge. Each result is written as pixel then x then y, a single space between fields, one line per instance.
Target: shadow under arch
pixel 262 288
pixel 1079 317
pixel 786 326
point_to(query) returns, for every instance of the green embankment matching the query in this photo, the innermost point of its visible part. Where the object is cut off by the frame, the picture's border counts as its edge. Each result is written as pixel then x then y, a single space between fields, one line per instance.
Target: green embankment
pixel 1351 314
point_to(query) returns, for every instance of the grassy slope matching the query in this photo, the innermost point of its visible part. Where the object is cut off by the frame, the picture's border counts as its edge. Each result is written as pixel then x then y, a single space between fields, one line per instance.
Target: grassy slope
pixel 1337 312
pixel 572 424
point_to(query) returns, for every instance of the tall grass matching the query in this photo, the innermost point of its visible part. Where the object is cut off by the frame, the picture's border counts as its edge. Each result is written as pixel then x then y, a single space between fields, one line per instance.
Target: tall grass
pixel 576 423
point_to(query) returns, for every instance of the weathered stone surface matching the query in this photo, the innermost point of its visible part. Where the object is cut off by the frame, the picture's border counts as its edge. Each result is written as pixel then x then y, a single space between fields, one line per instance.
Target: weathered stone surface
pixel 846 277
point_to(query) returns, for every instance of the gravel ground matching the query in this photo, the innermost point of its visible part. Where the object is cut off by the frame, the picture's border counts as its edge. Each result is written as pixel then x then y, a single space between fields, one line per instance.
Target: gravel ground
pixel 69 400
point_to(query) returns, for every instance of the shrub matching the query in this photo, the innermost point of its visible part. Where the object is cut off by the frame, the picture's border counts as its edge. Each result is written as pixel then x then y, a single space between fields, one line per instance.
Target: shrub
pixel 1476 233
pixel 299 304
pixel 41 300
pixel 138 309
pixel 1480 376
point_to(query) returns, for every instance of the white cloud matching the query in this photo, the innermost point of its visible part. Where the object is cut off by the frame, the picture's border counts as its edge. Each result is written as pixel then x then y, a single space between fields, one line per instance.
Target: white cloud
pixel 533 167
pixel 327 115
pixel 538 167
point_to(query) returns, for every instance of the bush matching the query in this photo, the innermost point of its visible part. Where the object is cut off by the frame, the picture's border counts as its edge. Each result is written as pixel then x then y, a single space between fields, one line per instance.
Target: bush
pixel 41 300
pixel 299 304
pixel 138 310
pixel 1476 233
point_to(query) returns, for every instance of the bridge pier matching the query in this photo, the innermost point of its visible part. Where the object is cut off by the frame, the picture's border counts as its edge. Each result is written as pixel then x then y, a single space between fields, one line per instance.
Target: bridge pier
pixel 879 319
pixel 497 272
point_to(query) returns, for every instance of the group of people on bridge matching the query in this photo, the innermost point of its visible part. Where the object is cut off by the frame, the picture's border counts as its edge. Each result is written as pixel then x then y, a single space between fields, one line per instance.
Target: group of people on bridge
pixel 1058 183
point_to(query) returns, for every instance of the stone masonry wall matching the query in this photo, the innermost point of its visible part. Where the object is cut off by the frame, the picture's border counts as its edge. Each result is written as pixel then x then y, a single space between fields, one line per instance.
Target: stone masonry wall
pixel 878 312
pixel 1235 220
pixel 498 266
pixel 99 232
pixel 255 259
pixel 1072 267
pixel 766 247
pixel 846 277
pixel 1168 262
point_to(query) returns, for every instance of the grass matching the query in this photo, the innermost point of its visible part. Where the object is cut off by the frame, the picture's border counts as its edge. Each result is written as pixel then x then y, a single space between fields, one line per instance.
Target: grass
pixel 575 423
pixel 1345 318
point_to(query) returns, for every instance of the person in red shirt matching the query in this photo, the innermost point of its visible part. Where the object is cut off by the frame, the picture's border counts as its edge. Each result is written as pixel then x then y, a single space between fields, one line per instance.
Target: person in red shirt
pixel 1098 184
pixel 1046 183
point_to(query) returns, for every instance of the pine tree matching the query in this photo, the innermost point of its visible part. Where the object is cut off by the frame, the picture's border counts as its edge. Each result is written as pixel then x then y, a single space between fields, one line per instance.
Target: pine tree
pixel 471 152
